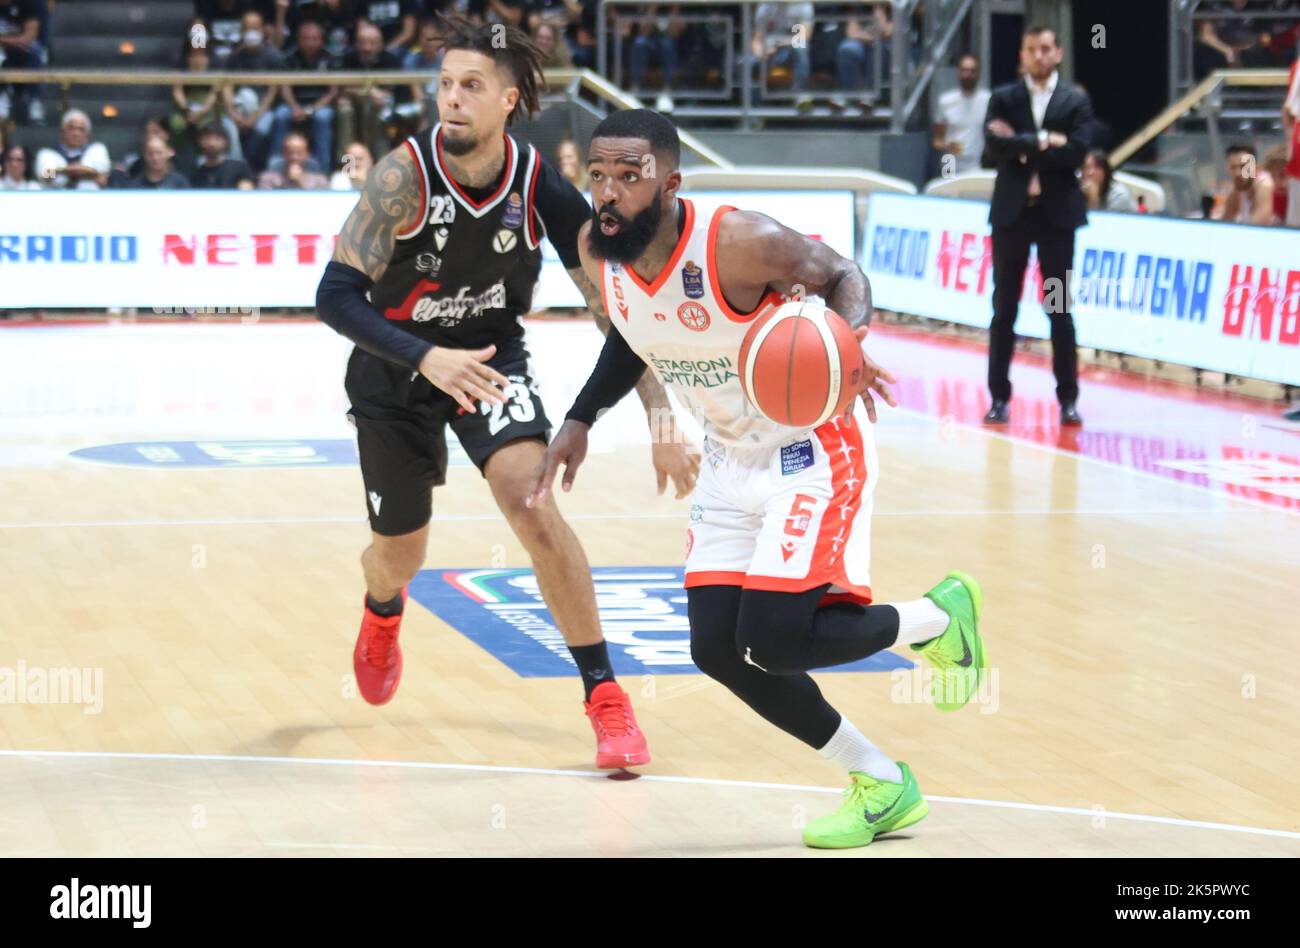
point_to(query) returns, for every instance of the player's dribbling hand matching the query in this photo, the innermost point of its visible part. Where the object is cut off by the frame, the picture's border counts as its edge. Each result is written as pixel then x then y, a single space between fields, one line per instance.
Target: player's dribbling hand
pixel 676 461
pixel 462 374
pixel 568 448
pixel 874 378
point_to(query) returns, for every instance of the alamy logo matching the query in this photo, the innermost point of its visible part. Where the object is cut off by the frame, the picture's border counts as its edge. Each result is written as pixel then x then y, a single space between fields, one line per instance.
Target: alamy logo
pixel 103 901
pixel 24 684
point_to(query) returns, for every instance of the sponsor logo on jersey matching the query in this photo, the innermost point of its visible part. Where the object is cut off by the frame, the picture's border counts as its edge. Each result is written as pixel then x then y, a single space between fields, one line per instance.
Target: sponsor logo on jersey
pixel 796 457
pixel 660 318
pixel 428 263
pixel 692 280
pixel 618 298
pixel 694 373
pixel 693 316
pixel 697 513
pixel 440 237
pixel 453 310
pixel 514 212
pixel 504 241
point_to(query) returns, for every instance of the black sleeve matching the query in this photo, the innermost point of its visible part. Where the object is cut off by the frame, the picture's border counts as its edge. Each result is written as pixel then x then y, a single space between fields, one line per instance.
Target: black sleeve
pixel 617 371
pixel 1070 155
pixel 563 210
pixel 341 304
pixel 1003 149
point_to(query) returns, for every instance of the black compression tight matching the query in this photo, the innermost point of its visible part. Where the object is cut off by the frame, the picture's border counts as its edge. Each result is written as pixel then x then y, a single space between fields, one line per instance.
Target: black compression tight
pixel 760 645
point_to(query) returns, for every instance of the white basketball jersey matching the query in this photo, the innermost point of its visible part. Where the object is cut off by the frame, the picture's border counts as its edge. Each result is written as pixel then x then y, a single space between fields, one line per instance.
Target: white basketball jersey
pixel 688 335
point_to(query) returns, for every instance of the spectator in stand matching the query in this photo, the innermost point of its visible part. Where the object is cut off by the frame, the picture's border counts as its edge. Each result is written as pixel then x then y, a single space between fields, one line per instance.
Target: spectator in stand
pixel 294 169
pixel 1291 126
pixel 776 26
pixel 428 58
pixel 157 172
pixel 250 106
pixel 224 21
pixel 396 21
pixel 555 52
pixel 655 41
pixel 75 162
pixel 509 12
pixel 568 159
pixel 960 129
pixel 338 18
pixel 1275 165
pixel 1104 193
pixel 197 103
pixel 357 162
pixel 20 48
pixel 1224 38
pixel 582 42
pixel 216 170
pixel 132 164
pixel 561 14
pixel 855 59
pixel 16 169
pixel 1250 199
pixel 312 105
pixel 381 104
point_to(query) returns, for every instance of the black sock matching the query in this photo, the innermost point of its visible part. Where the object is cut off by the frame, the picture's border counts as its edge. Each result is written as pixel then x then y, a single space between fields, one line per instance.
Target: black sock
pixel 593 663
pixel 385 609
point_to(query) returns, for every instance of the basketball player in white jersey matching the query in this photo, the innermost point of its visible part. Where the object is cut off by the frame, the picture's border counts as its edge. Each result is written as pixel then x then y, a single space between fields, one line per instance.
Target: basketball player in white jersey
pixel 430 275
pixel 777 562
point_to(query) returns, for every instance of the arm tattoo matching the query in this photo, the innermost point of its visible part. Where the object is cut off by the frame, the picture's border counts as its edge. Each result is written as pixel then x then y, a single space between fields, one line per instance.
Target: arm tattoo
pixel 651 392
pixel 389 201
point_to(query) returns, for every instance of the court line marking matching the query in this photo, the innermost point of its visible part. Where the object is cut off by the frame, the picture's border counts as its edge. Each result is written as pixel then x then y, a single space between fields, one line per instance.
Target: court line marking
pixel 653 778
pixel 1222 495
pixel 269 521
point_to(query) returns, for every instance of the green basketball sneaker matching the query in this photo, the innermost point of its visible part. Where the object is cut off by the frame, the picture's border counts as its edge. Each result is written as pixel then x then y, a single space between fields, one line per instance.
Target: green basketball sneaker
pixel 957 656
pixel 871 808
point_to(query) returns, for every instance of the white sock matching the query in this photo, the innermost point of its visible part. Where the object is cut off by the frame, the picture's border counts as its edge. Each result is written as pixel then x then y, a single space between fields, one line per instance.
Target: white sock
pixel 919 621
pixel 848 748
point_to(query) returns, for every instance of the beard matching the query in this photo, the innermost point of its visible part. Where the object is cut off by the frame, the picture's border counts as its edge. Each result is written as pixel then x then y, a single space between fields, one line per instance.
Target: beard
pixel 459 146
pixel 633 236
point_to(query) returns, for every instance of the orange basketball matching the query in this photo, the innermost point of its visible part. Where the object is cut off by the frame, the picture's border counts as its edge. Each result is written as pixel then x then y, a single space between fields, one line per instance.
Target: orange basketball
pixel 800 365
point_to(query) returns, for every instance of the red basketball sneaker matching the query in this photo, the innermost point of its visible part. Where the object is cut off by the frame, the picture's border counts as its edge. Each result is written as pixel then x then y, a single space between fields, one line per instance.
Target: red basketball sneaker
pixel 377 659
pixel 619 742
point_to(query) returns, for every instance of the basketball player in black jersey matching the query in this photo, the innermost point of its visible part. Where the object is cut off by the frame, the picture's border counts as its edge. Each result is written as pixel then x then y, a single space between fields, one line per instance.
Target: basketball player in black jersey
pixel 445 240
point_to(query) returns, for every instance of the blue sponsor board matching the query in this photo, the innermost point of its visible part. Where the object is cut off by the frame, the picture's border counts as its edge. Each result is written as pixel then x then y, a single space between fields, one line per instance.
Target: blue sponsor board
pixel 642 610
pixel 237 454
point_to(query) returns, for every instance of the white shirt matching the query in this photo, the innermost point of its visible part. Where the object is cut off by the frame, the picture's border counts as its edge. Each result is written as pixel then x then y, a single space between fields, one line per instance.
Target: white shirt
pixel 683 328
pixel 95 156
pixel 1039 96
pixel 963 116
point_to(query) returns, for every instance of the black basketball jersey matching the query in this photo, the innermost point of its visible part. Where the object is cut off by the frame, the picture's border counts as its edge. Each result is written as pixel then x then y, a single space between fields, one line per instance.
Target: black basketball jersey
pixel 467 269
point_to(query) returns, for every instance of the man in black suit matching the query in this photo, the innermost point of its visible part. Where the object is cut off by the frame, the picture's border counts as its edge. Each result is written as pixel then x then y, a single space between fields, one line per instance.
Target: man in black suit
pixel 1036 135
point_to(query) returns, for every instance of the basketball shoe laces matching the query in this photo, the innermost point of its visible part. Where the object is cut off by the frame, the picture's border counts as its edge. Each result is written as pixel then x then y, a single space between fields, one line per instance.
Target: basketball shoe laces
pixel 379 644
pixel 614 716
pixel 866 794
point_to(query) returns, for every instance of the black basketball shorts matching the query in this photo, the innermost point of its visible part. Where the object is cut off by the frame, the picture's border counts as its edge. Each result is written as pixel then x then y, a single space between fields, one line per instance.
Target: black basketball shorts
pixel 401 421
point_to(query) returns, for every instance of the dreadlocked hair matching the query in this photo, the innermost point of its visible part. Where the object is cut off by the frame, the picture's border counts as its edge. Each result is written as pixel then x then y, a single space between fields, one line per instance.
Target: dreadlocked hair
pixel 508 47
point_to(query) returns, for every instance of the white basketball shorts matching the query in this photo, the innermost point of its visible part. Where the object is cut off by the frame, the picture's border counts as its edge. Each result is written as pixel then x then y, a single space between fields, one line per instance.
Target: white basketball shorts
pixel 796 522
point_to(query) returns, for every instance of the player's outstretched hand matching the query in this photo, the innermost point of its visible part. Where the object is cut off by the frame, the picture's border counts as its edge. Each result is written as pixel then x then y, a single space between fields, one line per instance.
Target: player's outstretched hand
pixel 464 375
pixel 569 448
pixel 677 461
pixel 874 378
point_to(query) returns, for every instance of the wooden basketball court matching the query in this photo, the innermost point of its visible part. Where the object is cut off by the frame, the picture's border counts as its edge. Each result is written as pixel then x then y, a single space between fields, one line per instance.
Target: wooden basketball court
pixel 1140 625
